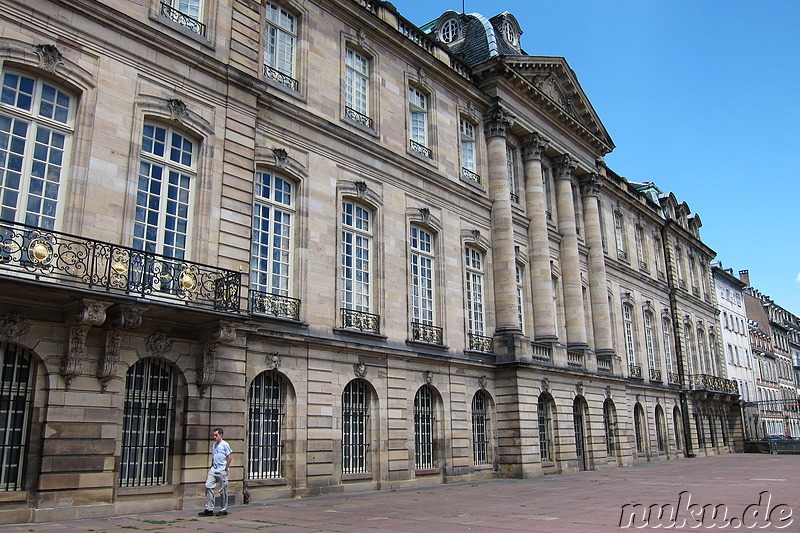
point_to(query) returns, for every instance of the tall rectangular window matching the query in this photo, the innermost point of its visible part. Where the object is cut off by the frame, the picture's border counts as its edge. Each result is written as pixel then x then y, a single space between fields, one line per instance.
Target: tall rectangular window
pixel 657 251
pixel 511 159
pixel 467 145
pixel 650 343
pixel 36 127
pixel 424 428
pixel 280 42
pixel 666 327
pixel 545 428
pixel 520 300
pixel 166 174
pixel 356 257
pixel 355 428
pixel 619 235
pixel 630 346
pixel 480 429
pixel 273 212
pixel 640 250
pixel 266 414
pixel 356 86
pixel 16 394
pixel 418 113
pixel 473 261
pixel 422 282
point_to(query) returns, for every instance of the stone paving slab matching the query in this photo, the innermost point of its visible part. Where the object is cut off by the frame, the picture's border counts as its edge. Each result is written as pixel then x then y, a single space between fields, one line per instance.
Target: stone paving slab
pixel 583 502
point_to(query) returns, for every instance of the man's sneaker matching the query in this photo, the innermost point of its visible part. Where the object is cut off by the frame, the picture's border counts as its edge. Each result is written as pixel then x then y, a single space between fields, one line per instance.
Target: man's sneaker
pixel 205 512
pixel 222 513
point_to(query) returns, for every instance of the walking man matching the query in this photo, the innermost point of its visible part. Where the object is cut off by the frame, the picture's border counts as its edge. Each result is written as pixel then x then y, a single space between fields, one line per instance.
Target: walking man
pixel 221 457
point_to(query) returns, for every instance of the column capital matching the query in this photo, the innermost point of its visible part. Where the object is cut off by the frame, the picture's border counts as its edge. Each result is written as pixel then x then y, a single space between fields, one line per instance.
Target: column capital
pixel 565 165
pixel 591 184
pixel 498 121
pixel 533 146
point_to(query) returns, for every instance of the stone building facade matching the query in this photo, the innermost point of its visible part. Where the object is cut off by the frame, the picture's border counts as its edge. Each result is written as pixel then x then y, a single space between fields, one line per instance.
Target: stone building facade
pixel 377 255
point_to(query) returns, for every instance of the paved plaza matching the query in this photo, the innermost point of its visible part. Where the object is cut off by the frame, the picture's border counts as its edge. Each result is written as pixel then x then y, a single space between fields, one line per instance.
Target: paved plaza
pixel 757 490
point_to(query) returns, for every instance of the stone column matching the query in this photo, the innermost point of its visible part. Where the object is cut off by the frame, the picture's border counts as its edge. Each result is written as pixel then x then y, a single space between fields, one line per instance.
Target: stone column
pixel 598 291
pixel 570 258
pixel 497 123
pixel 544 326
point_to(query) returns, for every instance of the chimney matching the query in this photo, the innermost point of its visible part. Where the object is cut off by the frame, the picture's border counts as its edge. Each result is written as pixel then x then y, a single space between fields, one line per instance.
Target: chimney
pixel 744 275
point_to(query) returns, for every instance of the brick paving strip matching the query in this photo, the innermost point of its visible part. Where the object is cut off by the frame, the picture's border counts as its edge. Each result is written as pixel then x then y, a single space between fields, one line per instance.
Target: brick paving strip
pixel 582 502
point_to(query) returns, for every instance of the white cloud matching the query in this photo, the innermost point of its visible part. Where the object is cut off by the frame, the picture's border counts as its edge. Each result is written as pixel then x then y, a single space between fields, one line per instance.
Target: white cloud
pixel 797 279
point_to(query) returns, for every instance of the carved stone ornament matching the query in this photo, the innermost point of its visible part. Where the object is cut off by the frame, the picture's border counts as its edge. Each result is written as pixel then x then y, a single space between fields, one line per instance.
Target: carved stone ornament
pixel 591 184
pixel 177 108
pixel 361 187
pixel 476 234
pixel 49 56
pixel 13 327
pixel 90 313
pixel 425 213
pixel 281 156
pixel 362 36
pixel 421 75
pixel 158 344
pixel 547 84
pixel 579 387
pixel 533 146
pixel 608 391
pixel 482 381
pixel 206 364
pixel 565 165
pixel 545 384
pixel 498 121
pixel 360 370
pixel 471 111
pixel 120 319
pixel 273 361
pixel 427 376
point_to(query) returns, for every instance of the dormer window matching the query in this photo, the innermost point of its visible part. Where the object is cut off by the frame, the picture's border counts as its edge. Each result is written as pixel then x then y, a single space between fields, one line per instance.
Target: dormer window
pixel 449 31
pixel 510 33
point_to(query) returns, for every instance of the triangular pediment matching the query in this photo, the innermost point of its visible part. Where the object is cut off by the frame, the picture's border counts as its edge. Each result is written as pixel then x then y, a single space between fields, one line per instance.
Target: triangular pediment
pixel 553 79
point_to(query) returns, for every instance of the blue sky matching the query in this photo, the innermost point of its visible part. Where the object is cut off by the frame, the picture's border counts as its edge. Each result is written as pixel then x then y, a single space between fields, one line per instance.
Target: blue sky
pixel 701 97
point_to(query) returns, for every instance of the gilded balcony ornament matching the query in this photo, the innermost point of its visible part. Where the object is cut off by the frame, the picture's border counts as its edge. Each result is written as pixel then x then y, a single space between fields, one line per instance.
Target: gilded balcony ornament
pixel 40 251
pixel 188 280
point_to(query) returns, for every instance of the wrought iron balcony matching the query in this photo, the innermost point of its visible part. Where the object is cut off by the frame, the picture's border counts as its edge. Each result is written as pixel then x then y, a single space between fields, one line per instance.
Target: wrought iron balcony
pixel 635 371
pixel 178 17
pixel 674 378
pixel 274 305
pixel 44 255
pixel 279 77
pixel 515 198
pixel 655 375
pixel 542 353
pixel 479 343
pixel 604 365
pixel 427 333
pixel 574 359
pixel 468 175
pixel 713 383
pixel 419 148
pixel 352 114
pixel 360 320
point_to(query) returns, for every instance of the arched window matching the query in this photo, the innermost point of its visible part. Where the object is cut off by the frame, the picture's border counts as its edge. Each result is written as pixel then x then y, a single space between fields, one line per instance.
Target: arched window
pixel 677 425
pixel 639 428
pixel 36 129
pixel 147 423
pixel 449 31
pixel 16 394
pixel 267 405
pixel 610 426
pixel 425 428
pixel 545 417
pixel 480 428
pixel 355 427
pixel 661 434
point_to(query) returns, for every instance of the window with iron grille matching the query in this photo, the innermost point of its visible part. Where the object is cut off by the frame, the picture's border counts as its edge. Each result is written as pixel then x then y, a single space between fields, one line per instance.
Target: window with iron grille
pixel 677 426
pixel 147 424
pixel 273 212
pixel 36 127
pixel 520 291
pixel 424 429
pixel 16 394
pixel 356 259
pixel 355 427
pixel 480 429
pixel 660 433
pixel 638 427
pixel 609 426
pixel 545 428
pixel 266 412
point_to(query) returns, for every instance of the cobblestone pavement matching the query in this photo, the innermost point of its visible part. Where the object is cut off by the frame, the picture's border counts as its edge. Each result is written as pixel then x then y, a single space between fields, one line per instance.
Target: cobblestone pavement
pixel 762 491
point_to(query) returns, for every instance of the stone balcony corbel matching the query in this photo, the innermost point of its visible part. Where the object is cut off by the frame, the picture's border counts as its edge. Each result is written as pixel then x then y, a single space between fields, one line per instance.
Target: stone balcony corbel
pixel 120 319
pixel 224 333
pixel 89 313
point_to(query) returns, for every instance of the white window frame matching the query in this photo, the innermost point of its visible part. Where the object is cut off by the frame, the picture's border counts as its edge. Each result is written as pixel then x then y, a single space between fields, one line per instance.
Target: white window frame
pixel 47 114
pixel 650 342
pixel 418 107
pixel 468 144
pixel 272 246
pixel 520 281
pixel 357 82
pixel 280 42
pixel 449 31
pixel 619 234
pixel 474 294
pixel 422 269
pixel 356 257
pixel 630 343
